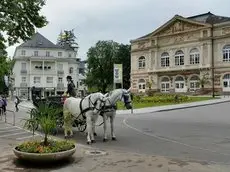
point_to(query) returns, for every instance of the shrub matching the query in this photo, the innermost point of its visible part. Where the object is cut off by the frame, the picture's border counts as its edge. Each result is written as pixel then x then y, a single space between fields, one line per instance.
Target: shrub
pixel 40 147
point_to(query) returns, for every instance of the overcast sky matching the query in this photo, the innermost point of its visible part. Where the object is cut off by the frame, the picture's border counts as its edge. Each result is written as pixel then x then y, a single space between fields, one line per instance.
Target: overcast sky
pixel 118 20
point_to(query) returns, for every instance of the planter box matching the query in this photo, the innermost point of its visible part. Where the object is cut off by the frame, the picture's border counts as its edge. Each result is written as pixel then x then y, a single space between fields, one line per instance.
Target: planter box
pixel 44 157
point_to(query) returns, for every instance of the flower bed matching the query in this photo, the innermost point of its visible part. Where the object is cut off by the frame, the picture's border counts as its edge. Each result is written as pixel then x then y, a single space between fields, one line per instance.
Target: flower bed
pixel 39 147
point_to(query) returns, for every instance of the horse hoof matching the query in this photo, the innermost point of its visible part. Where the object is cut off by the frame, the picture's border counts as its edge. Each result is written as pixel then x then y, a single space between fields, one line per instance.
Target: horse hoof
pixel 66 137
pixel 95 134
pixel 105 140
pixel 88 143
pixel 93 141
pixel 114 138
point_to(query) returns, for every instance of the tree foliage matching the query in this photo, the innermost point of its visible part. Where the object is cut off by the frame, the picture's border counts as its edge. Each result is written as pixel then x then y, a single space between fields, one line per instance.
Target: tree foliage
pixel 100 61
pixel 68 38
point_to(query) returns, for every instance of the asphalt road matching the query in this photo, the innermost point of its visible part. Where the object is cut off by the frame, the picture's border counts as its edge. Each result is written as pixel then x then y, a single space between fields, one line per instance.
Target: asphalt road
pixel 197 134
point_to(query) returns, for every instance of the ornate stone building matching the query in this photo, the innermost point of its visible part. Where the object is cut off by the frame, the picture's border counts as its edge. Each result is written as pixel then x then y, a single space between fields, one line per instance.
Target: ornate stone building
pixel 177 55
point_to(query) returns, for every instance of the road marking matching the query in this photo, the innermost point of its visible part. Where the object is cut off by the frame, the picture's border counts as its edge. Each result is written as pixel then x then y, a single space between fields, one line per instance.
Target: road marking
pixel 9 130
pixel 169 140
pixel 27 137
pixel 6 135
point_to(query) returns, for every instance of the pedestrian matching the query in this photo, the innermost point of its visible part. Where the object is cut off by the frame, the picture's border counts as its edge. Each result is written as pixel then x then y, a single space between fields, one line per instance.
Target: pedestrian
pixel 4 100
pixel 1 105
pixel 16 102
pixel 70 87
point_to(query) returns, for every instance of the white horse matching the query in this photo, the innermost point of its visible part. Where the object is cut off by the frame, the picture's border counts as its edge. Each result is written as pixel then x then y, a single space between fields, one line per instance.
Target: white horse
pixel 89 106
pixel 109 108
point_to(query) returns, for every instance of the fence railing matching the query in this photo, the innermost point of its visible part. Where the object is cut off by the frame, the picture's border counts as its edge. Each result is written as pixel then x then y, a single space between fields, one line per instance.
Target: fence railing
pixel 8 117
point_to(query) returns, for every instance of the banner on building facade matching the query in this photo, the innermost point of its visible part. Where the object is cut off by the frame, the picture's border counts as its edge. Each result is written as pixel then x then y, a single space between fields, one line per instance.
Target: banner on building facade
pixel 117 73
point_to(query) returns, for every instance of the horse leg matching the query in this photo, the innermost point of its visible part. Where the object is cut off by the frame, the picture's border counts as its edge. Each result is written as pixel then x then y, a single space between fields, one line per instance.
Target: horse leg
pixel 94 124
pixel 105 128
pixel 112 126
pixel 89 128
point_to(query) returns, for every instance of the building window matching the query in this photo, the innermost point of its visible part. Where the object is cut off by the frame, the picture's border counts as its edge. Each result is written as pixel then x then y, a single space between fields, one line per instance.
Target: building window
pixel 226 53
pixel 70 55
pixel 49 80
pixel 165 60
pixel 141 84
pixel 70 70
pixel 165 84
pixel 23 79
pixel 23 52
pixel 194 83
pixel 194 56
pixel 60 80
pixel 23 65
pixel 37 80
pixel 35 53
pixel 47 53
pixel 141 62
pixel 179 58
pixel 59 54
pixel 60 66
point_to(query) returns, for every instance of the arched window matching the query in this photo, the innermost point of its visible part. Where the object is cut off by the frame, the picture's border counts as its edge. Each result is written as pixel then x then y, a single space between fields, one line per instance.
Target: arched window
pixel 226 82
pixel 194 56
pixel 179 58
pixel 141 62
pixel 226 53
pixel 179 78
pixel 165 84
pixel 194 83
pixel 164 59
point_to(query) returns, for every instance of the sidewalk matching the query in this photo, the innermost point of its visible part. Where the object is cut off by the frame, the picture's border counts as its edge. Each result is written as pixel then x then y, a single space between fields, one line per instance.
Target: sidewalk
pixel 114 161
pixel 174 107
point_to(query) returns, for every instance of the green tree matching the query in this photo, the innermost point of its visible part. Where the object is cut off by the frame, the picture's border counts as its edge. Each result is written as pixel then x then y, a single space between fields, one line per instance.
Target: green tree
pixel 18 20
pixel 68 38
pixel 100 61
pixel 123 57
pixel 204 80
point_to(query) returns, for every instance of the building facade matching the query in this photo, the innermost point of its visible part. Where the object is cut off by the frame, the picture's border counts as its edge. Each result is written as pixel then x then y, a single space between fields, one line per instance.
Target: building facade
pixel 43 67
pixel 178 55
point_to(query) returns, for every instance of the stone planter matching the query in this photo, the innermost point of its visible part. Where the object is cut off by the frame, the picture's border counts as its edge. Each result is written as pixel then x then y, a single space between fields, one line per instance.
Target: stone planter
pixel 44 157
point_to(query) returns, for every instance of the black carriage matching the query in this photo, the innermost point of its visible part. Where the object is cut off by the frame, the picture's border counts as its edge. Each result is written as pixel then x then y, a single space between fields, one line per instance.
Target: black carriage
pixel 57 102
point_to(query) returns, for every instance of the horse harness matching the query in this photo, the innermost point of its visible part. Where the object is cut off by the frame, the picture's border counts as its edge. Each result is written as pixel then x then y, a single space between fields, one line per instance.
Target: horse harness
pixel 83 111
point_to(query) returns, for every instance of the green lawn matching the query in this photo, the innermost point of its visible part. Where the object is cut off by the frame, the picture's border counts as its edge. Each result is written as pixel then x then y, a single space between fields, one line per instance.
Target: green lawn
pixel 137 105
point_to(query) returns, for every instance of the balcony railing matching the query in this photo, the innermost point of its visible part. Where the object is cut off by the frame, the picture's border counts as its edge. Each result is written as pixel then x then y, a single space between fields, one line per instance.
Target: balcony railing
pixel 23 71
pixel 23 85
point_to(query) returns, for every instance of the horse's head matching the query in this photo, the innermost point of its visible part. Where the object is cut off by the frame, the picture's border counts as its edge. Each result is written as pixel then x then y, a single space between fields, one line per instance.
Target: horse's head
pixel 98 101
pixel 126 97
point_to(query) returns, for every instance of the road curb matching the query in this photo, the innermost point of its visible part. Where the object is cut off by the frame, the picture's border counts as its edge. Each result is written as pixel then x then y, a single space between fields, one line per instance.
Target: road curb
pixel 205 103
pixel 192 106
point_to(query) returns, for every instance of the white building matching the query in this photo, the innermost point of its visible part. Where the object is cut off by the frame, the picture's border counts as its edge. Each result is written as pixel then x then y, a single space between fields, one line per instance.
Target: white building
pixel 41 64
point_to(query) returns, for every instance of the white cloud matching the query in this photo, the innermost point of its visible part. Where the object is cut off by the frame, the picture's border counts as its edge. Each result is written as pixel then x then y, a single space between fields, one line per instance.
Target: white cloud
pixel 119 20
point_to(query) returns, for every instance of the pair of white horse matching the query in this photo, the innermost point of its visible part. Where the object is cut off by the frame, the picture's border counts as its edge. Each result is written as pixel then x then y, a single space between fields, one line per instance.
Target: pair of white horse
pixel 95 104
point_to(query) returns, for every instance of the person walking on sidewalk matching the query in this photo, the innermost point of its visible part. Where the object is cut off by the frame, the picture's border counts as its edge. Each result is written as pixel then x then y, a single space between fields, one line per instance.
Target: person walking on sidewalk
pixel 4 100
pixel 70 87
pixel 16 102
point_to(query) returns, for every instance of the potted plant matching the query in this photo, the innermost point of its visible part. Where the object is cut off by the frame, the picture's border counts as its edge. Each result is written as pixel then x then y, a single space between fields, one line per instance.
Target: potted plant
pixel 47 149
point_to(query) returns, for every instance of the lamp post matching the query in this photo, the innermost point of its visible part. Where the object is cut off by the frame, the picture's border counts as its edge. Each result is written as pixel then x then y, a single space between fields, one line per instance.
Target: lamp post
pixel 213 67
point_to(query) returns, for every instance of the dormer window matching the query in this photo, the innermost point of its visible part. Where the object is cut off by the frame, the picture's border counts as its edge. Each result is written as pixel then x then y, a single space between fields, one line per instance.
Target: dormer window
pixel 59 54
pixel 47 53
